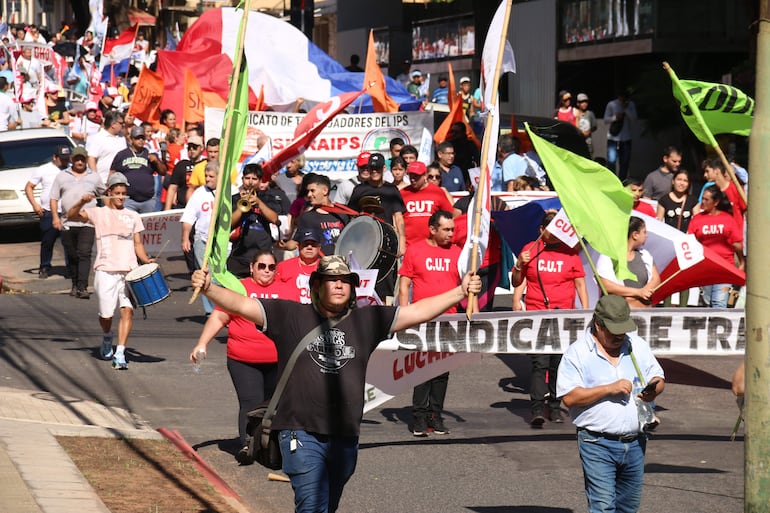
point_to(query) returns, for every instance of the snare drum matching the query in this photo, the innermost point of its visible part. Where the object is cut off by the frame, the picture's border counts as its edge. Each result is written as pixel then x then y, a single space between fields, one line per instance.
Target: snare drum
pixel 147 285
pixel 374 244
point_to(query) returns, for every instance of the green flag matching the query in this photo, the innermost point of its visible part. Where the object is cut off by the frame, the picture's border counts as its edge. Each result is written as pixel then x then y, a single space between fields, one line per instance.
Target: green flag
pixel 709 108
pixel 597 204
pixel 236 117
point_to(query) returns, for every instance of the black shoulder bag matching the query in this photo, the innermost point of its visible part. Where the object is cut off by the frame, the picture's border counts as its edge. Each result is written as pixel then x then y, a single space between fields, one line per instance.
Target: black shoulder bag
pixel 263 445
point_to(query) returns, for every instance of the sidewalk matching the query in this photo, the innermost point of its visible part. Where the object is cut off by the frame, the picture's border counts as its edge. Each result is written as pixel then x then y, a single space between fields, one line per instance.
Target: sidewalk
pixel 37 474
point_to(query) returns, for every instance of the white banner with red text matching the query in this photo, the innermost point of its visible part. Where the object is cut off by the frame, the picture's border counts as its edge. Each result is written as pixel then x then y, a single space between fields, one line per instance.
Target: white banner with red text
pixel 335 149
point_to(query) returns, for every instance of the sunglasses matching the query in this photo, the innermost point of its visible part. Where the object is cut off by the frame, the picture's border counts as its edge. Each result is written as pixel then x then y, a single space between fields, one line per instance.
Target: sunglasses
pixel 191 146
pixel 434 177
pixel 75 159
pixel 262 266
pixel 140 137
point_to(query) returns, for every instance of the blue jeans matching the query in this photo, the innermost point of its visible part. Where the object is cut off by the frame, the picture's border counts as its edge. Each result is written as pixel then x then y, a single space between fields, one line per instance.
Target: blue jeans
pixel 199 248
pixel 319 468
pixel 715 296
pixel 48 236
pixel 141 207
pixel 613 473
pixel 619 157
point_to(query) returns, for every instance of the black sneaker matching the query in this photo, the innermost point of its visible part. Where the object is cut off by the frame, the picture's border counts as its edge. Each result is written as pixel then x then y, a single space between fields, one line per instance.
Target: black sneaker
pixel 437 423
pixel 74 291
pixel 556 416
pixel 243 457
pixel 420 427
pixel 537 420
pixel 43 274
pixel 82 294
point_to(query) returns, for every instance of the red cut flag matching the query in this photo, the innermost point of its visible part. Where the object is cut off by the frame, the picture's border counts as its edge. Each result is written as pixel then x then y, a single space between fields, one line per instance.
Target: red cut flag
pixel 309 128
pixel 193 98
pixel 147 97
pixel 374 82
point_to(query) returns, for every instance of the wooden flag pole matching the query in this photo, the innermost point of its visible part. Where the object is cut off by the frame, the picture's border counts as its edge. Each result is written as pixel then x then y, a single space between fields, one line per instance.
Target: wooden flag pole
pixel 472 298
pixel 231 98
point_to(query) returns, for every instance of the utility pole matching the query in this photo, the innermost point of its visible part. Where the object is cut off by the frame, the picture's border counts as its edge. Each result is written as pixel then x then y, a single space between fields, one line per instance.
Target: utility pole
pixel 757 398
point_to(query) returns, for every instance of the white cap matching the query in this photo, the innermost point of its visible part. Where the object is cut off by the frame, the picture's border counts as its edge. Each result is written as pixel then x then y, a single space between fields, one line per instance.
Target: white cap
pixel 465 79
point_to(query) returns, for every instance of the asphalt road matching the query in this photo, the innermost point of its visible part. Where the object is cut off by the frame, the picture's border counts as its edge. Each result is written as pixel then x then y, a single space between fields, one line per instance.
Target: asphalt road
pixel 492 462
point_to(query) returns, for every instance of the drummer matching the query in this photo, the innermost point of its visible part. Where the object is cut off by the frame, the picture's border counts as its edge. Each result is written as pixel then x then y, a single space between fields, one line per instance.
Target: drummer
pixel 118 246
pixel 375 196
pixel 386 194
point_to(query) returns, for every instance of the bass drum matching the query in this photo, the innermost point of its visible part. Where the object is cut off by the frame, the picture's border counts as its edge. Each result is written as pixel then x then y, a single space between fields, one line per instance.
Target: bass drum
pixel 372 243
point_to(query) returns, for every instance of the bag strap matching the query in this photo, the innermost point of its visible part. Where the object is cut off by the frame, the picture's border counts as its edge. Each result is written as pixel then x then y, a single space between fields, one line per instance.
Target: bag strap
pixel 267 420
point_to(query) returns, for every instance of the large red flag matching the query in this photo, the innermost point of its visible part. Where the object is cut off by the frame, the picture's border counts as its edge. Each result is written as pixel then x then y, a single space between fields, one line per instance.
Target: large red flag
pixel 374 82
pixel 147 96
pixel 309 128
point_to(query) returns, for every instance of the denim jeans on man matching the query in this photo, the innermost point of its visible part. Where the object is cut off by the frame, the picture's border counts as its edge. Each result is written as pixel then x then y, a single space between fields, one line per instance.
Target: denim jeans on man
pixel 619 157
pixel 48 236
pixel 613 472
pixel 141 207
pixel 318 468
pixel 199 248
pixel 715 296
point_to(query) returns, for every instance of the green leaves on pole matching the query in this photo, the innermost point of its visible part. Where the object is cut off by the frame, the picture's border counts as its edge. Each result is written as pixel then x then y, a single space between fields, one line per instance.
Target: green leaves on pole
pixel 710 108
pixel 597 204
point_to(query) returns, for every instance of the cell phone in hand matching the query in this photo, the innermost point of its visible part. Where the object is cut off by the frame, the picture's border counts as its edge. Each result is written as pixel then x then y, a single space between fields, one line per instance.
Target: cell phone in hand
pixel 650 387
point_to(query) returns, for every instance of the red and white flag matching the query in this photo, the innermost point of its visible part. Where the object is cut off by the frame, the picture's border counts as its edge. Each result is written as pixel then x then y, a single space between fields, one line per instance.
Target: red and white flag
pixel 309 128
pixel 562 229
pixel 120 48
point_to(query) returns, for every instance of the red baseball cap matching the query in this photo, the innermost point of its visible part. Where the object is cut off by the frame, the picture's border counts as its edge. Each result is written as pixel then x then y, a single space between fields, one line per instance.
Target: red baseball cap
pixel 363 159
pixel 416 168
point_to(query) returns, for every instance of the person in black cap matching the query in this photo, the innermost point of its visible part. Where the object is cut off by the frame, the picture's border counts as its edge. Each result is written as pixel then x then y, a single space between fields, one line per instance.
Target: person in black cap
pixel 138 164
pixel 607 378
pixel 366 196
pixel 319 414
pixel 45 176
pixel 297 270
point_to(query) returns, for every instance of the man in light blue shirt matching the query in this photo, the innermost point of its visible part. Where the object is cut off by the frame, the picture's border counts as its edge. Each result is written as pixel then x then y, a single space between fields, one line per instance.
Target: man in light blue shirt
pixel 512 164
pixel 599 380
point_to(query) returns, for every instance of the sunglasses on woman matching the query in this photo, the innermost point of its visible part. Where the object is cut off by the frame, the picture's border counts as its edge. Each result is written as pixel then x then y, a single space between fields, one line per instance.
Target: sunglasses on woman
pixel 434 177
pixel 261 266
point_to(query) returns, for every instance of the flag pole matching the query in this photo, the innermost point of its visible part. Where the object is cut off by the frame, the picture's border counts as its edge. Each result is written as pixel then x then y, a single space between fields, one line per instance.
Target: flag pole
pixel 472 298
pixel 712 142
pixel 231 98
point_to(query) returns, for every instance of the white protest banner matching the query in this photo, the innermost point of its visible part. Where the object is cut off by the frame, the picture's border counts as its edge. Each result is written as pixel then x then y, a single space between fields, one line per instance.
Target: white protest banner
pixel 160 227
pixel 374 397
pixel 336 148
pixel 368 280
pixel 688 251
pixel 395 372
pixel 42 52
pixel 669 331
pixel 561 228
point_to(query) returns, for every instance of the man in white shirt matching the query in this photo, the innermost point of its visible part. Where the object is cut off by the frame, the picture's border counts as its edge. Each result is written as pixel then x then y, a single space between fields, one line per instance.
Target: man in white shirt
pixel 9 117
pixel 105 144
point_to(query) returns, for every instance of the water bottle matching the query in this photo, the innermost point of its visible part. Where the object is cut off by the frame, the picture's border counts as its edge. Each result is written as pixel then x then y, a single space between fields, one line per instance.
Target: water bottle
pixel 197 364
pixel 643 408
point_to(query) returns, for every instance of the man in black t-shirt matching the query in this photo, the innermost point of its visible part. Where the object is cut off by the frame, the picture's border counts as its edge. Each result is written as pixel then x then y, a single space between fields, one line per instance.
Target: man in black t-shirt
pixel 176 195
pixel 320 411
pixel 253 233
pixel 322 216
pixel 138 165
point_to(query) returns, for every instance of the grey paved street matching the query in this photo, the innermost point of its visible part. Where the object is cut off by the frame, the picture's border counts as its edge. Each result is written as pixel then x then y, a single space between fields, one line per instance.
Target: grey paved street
pixel 492 462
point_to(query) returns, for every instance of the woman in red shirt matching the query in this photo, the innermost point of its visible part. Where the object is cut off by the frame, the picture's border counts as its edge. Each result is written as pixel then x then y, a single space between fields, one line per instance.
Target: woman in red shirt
pixel 251 355
pixel 716 229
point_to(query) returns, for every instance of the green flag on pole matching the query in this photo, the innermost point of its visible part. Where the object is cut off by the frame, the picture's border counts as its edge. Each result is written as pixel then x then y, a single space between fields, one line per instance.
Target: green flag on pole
pixel 709 108
pixel 234 126
pixel 597 204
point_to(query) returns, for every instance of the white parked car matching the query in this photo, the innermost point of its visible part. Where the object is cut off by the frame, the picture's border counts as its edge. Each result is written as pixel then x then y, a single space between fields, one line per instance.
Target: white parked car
pixel 21 152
